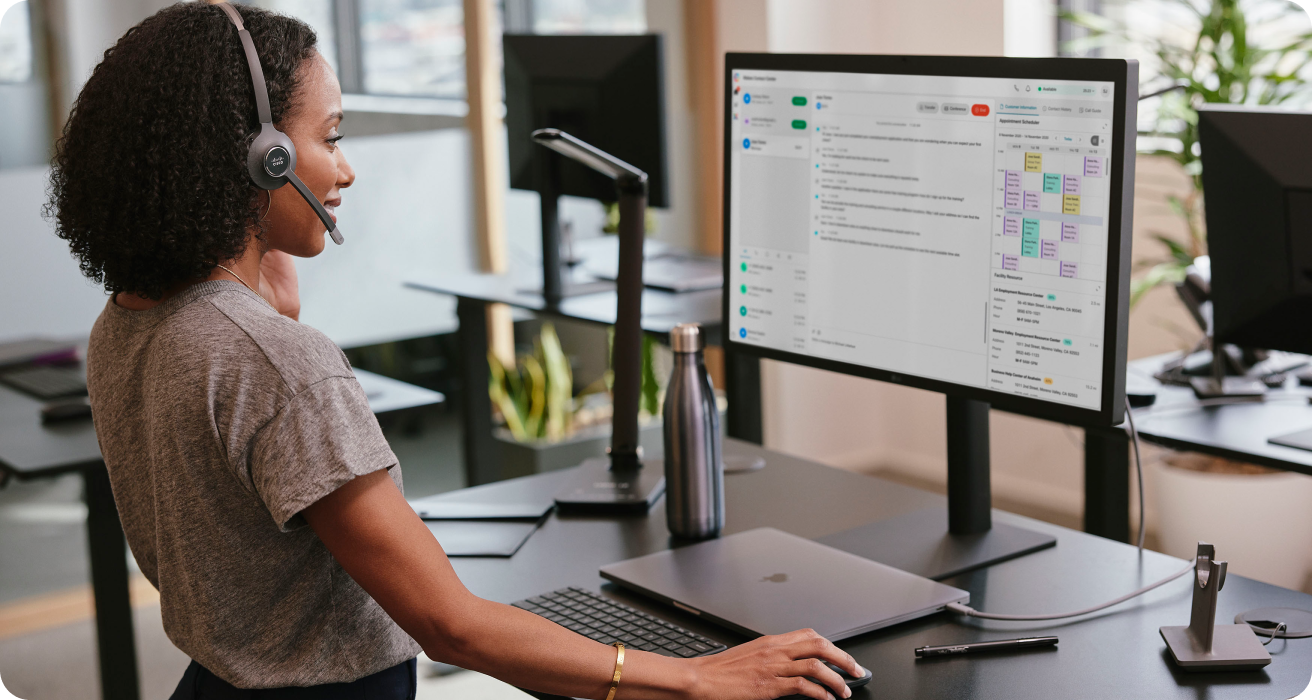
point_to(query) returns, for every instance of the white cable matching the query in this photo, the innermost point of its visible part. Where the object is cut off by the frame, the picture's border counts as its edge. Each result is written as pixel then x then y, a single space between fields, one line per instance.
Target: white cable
pixel 971 612
pixel 1138 465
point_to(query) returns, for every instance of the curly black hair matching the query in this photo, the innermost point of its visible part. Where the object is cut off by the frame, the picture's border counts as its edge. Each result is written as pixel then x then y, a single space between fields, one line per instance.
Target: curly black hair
pixel 149 183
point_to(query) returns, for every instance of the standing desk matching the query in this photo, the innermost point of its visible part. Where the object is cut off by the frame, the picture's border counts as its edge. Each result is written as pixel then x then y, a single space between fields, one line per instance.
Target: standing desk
pixel 1112 654
pixel 1106 451
pixel 31 451
pixel 1236 431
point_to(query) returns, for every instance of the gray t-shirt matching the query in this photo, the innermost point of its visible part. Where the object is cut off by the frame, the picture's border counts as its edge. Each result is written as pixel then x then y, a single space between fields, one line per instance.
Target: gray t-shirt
pixel 220 421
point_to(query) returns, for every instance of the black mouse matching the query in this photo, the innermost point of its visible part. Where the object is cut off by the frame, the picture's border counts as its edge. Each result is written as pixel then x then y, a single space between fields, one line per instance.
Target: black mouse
pixel 852 683
pixel 66 409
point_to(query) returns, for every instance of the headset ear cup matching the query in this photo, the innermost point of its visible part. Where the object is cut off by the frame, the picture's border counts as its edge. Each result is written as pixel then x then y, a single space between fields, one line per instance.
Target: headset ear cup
pixel 271 156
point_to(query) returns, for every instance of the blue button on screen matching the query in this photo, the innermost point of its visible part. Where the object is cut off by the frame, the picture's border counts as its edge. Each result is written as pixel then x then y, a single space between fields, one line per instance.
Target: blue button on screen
pixel 747 99
pixel 742 332
pixel 747 143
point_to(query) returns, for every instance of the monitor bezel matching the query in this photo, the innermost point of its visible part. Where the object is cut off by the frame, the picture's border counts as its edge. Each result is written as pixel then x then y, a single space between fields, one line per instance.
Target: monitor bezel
pixel 1122 73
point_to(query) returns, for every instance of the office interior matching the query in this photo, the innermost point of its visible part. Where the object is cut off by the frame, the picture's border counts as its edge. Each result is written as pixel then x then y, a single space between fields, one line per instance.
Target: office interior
pixel 422 208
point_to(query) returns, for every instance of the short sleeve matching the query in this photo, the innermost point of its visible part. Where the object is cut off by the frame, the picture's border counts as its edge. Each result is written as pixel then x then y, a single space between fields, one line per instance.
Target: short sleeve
pixel 323 438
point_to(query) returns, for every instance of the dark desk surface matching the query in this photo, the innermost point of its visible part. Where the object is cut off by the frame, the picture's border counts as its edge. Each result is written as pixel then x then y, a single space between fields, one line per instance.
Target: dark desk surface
pixel 1116 654
pixel 1235 431
pixel 30 450
pixel 661 311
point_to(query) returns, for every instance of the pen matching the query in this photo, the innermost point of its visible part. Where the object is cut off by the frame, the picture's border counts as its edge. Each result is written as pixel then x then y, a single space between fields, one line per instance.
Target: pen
pixel 1000 645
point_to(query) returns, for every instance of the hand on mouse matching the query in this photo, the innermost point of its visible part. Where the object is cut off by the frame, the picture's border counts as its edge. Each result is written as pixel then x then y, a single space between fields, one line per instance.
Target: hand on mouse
pixel 775 666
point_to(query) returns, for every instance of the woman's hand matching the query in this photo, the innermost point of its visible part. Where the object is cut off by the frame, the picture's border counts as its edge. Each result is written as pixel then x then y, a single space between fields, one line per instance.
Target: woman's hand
pixel 775 666
pixel 278 283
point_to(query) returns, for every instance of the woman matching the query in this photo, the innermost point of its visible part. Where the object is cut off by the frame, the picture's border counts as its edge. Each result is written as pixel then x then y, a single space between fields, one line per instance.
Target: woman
pixel 255 488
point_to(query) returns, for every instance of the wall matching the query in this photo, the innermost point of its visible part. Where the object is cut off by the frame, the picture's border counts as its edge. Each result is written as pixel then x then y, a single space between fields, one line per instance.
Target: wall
pixel 898 431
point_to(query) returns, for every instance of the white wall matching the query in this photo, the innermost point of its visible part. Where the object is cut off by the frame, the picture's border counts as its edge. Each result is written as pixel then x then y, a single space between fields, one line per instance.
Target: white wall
pixel 42 292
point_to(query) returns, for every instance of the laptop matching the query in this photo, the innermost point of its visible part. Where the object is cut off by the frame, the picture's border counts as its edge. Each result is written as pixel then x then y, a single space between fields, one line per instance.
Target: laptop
pixel 765 581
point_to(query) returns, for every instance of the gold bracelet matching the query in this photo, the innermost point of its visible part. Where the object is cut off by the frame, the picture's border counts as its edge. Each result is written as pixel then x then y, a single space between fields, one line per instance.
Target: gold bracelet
pixel 619 669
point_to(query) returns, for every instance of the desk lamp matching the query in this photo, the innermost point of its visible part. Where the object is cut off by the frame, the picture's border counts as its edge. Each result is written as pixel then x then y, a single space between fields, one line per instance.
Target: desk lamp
pixel 618 482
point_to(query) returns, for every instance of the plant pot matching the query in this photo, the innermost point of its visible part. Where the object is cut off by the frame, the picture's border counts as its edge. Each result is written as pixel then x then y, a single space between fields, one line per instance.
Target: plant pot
pixel 1259 519
pixel 524 458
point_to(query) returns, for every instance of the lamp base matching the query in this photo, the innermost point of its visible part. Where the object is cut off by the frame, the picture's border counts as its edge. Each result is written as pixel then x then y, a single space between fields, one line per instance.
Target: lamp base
pixel 599 489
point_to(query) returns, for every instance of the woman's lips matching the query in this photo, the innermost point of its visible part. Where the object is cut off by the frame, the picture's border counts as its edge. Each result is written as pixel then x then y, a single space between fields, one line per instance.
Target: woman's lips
pixel 330 206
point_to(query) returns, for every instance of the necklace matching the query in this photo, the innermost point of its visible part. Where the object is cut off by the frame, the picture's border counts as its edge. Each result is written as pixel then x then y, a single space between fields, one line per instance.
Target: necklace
pixel 243 283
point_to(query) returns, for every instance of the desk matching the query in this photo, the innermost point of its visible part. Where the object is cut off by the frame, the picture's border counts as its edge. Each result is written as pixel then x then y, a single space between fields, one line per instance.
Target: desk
pixel 29 451
pixel 1237 431
pixel 1117 654
pixel 661 311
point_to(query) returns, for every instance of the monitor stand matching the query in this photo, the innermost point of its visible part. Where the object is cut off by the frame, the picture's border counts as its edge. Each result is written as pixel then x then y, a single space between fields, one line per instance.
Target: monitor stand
pixel 939 543
pixel 556 284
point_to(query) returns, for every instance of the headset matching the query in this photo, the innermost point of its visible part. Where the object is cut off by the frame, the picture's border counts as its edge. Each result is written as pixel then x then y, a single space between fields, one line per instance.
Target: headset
pixel 271 161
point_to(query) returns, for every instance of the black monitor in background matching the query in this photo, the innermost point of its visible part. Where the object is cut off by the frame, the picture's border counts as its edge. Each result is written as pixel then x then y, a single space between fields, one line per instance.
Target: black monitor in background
pixel 607 90
pixel 1257 173
pixel 960 225
pixel 1258 181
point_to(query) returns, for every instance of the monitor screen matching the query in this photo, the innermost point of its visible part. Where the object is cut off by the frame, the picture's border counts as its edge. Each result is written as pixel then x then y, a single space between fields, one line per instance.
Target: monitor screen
pixel 946 228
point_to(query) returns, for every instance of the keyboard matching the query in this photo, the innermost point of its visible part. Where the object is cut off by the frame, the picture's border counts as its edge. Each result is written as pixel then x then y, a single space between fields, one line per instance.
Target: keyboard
pixel 608 622
pixel 47 383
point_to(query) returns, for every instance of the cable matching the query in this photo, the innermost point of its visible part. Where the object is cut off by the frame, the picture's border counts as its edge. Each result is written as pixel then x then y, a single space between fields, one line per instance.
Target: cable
pixel 1274 631
pixel 971 612
pixel 1138 465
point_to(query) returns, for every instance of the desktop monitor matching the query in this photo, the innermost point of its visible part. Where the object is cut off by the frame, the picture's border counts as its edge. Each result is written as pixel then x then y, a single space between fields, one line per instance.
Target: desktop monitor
pixel 1259 224
pixel 606 90
pixel 955 224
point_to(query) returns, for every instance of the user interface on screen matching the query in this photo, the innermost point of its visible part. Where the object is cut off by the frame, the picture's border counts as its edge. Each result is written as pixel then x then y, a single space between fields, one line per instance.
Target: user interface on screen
pixel 950 228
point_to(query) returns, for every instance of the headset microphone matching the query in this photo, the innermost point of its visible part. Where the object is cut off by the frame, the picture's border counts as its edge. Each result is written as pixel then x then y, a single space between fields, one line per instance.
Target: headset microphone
pixel 272 157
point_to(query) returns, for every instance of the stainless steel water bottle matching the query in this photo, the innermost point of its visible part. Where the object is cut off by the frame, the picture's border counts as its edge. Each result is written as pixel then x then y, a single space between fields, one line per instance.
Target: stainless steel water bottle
pixel 694 474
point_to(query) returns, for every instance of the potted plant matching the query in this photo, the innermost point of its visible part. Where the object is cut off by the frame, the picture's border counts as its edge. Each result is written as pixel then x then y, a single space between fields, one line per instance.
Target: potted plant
pixel 1221 58
pixel 544 425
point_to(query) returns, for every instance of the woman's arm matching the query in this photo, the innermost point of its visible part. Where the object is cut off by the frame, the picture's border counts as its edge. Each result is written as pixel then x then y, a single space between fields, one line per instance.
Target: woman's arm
pixel 387 549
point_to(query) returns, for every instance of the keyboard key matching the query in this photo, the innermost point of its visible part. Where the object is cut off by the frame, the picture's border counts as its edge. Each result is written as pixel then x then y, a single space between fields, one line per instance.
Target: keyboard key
pixel 700 647
pixel 685 652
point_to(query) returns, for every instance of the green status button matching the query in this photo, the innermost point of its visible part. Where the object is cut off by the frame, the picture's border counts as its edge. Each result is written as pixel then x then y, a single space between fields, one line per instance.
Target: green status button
pixel 799 123
pixel 799 101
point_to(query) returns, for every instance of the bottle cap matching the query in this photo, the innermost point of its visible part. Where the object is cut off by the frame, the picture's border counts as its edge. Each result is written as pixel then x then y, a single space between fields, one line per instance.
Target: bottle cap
pixel 687 337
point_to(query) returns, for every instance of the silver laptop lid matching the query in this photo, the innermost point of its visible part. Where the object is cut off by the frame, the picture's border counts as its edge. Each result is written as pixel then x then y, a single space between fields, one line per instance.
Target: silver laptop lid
pixel 765 581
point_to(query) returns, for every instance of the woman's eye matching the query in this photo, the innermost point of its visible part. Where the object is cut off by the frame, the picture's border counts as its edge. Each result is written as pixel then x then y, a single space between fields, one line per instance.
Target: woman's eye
pixel 332 141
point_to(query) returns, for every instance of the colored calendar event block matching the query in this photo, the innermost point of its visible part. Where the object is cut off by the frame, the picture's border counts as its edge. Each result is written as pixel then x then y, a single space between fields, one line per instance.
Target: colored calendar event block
pixel 1070 233
pixel 1052 183
pixel 1013 180
pixel 1092 166
pixel 1034 162
pixel 1029 249
pixel 1032 200
pixel 1030 229
pixel 1010 226
pixel 1071 185
pixel 1012 199
pixel 1048 250
pixel 1070 204
pixel 1069 269
pixel 1010 262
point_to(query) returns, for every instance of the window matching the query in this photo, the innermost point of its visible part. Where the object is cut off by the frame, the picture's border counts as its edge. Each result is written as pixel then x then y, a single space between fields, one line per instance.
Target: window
pixel 15 42
pixel 416 48
pixel 588 17
pixel 316 13
pixel 412 47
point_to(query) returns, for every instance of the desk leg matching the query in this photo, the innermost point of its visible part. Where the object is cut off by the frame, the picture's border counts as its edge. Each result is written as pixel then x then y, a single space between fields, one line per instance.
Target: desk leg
pixel 1107 484
pixel 480 449
pixel 742 378
pixel 109 583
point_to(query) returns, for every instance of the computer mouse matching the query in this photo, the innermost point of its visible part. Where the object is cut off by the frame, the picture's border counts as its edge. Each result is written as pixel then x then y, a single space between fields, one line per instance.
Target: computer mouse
pixel 851 682
pixel 65 410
